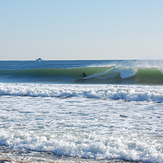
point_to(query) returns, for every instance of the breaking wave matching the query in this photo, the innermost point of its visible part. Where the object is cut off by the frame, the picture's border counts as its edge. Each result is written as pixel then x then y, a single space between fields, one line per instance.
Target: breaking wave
pixel 95 75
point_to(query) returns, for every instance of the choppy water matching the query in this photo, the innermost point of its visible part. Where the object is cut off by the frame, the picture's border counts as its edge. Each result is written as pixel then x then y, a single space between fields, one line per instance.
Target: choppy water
pixel 80 121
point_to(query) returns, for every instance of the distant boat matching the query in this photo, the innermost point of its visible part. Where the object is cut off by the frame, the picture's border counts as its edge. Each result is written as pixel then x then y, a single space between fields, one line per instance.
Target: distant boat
pixel 39 59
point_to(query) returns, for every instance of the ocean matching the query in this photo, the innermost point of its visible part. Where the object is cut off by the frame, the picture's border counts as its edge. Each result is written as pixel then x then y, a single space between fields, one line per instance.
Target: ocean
pixel 49 113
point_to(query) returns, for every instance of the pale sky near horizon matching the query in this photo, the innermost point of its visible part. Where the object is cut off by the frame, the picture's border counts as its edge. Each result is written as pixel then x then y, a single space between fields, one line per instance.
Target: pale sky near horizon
pixel 81 29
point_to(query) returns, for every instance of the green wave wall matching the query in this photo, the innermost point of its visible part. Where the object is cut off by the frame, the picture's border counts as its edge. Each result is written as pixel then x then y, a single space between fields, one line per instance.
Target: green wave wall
pixel 107 75
pixel 72 72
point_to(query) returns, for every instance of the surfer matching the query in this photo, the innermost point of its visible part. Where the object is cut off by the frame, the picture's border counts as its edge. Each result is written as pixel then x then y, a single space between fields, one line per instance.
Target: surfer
pixel 83 75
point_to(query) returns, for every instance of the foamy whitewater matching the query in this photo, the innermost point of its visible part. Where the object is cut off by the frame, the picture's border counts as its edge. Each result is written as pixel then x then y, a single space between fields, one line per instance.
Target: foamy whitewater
pixel 48 112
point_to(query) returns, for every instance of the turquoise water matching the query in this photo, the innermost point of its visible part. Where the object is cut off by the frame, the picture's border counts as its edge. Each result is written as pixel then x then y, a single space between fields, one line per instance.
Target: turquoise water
pixel 115 113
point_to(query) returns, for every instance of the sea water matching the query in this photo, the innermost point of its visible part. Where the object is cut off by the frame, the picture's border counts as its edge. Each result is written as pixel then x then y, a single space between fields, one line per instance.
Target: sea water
pixel 47 112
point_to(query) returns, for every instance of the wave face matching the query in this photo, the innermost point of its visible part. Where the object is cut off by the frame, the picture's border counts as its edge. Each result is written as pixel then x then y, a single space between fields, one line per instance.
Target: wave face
pixel 95 75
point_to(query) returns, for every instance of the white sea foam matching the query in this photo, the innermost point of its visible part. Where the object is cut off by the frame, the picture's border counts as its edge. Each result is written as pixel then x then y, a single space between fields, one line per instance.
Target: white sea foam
pixel 131 147
pixel 114 92
pixel 97 129
pixel 81 126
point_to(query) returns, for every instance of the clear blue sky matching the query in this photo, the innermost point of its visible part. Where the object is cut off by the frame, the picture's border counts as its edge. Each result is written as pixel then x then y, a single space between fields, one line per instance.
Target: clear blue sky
pixel 81 29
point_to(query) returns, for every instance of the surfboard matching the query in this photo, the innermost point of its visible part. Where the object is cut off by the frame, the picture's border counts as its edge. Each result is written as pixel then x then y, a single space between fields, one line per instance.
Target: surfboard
pixel 80 78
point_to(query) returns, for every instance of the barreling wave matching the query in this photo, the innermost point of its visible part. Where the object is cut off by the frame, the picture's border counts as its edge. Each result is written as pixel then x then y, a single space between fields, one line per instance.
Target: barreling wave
pixel 95 75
